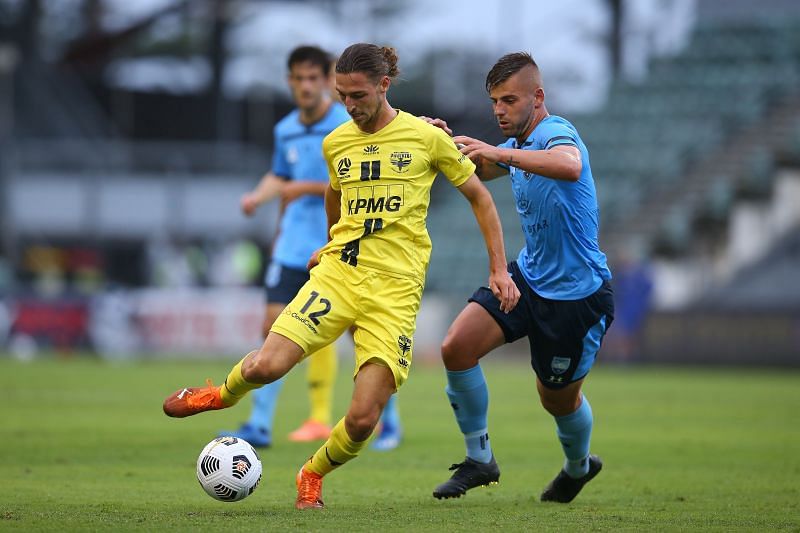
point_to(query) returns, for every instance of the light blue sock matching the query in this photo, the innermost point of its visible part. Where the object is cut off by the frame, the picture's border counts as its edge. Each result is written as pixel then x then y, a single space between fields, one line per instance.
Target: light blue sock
pixel 574 431
pixel 264 401
pixel 469 398
pixel 391 416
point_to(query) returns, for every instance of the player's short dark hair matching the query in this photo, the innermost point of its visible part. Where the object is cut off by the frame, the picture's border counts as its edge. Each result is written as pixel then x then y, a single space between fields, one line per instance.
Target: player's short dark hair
pixel 507 66
pixel 310 54
pixel 374 61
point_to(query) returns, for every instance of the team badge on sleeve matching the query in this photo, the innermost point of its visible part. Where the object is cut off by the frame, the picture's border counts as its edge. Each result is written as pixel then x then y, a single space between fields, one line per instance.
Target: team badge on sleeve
pixel 343 167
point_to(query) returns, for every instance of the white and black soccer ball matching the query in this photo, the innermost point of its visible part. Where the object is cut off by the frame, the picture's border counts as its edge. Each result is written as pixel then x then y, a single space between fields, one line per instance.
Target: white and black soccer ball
pixel 229 469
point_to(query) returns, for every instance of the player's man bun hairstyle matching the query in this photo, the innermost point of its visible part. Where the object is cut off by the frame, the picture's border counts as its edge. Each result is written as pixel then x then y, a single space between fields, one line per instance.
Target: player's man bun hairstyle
pixel 507 66
pixel 372 60
pixel 310 54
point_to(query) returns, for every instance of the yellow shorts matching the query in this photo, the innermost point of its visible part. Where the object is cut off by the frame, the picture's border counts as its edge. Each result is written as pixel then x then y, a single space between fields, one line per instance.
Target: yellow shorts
pixel 383 308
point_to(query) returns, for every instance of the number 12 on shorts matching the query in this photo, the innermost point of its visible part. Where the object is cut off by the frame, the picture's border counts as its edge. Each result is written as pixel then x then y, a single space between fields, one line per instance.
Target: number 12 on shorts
pixel 314 315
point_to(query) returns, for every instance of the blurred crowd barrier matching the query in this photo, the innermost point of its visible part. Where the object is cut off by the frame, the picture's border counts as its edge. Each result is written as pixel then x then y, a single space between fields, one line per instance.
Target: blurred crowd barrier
pixel 190 322
pixel 753 338
pixel 138 322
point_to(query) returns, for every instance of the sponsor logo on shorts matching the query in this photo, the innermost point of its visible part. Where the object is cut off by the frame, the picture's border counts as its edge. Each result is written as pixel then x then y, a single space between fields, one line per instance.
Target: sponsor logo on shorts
pixel 303 320
pixel 560 364
pixel 404 343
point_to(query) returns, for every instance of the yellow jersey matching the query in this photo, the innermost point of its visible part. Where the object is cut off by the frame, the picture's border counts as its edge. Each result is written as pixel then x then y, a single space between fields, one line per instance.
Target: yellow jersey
pixel 385 180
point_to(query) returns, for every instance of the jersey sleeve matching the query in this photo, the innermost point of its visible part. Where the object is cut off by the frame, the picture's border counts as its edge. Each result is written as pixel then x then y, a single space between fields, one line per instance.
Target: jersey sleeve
pixel 557 134
pixel 332 175
pixel 280 165
pixel 446 157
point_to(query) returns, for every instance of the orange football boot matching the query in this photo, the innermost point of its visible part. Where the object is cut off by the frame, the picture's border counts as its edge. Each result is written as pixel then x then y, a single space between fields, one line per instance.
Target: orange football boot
pixel 193 400
pixel 309 490
pixel 311 430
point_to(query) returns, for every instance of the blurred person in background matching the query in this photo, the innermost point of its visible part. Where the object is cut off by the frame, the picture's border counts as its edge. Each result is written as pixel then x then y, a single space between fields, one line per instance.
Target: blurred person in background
pixel 633 288
pixel 298 177
pixel 371 274
pixel 566 304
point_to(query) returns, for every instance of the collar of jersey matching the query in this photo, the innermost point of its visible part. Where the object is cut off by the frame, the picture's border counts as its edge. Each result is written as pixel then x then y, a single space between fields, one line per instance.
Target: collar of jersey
pixel 529 140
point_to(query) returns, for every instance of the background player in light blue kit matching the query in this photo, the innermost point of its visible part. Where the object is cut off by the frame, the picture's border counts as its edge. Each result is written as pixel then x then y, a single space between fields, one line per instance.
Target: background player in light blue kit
pixel 566 304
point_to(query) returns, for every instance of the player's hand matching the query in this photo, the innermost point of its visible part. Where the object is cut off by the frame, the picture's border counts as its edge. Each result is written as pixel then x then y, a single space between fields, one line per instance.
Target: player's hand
pixel 292 191
pixel 475 149
pixel 439 123
pixel 504 289
pixel 249 204
pixel 313 260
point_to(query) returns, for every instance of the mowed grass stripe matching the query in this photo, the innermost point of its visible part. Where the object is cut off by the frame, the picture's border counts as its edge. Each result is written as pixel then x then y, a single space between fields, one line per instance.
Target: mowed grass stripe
pixel 85 446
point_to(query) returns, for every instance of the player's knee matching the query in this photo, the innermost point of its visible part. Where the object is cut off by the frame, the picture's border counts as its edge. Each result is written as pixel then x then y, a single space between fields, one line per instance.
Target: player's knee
pixel 549 405
pixel 259 369
pixel 559 404
pixel 361 424
pixel 452 350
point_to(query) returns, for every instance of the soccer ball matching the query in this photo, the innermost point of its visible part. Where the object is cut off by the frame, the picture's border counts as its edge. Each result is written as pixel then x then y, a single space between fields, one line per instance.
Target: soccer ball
pixel 228 469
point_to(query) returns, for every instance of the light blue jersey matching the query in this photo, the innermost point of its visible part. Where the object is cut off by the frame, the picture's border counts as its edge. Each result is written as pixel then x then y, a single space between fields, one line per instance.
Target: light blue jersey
pixel 298 156
pixel 561 259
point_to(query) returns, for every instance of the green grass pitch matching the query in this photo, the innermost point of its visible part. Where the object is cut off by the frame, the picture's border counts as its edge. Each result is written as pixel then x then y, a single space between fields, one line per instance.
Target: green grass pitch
pixel 85 446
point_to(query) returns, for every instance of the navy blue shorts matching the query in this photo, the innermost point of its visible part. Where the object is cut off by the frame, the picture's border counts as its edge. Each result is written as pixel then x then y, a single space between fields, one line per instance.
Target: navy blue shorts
pixel 283 283
pixel 564 335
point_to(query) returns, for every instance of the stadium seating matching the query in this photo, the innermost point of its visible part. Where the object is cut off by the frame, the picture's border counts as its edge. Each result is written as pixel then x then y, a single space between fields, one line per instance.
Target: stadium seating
pixel 649 137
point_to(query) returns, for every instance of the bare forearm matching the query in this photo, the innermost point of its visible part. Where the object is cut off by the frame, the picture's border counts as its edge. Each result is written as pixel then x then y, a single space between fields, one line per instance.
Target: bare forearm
pixel 313 188
pixel 489 222
pixel 500 283
pixel 268 188
pixel 487 171
pixel 555 164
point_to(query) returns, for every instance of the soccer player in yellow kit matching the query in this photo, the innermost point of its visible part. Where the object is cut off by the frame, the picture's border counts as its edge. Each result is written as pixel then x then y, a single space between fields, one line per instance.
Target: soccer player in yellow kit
pixel 299 178
pixel 371 273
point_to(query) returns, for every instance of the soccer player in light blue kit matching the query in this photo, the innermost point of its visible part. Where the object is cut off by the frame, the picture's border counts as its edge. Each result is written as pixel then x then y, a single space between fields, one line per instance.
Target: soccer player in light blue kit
pixel 566 304
pixel 299 177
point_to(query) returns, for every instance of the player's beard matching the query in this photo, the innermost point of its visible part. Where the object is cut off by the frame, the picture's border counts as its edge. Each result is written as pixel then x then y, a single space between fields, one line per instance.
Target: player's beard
pixel 516 129
pixel 366 117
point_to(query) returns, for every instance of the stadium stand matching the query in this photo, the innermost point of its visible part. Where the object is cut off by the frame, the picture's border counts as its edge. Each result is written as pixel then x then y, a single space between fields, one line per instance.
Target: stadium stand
pixel 670 154
pixel 756 287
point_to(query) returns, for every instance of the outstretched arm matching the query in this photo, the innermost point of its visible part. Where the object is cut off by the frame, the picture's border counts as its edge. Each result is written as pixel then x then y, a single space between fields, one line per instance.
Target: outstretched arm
pixel 268 188
pixel 501 284
pixel 484 169
pixel 295 189
pixel 560 162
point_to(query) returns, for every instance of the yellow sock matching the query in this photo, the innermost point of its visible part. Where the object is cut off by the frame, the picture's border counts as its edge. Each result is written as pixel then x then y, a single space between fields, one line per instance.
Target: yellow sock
pixel 235 386
pixel 337 450
pixel 321 376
